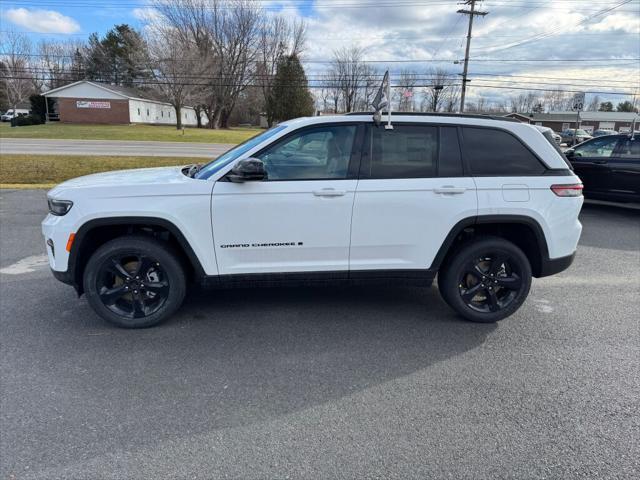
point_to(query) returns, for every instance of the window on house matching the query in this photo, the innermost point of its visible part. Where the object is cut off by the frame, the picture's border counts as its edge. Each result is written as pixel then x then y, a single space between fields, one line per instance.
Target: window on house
pixel 565 126
pixel 162 113
pixel 138 112
pixel 147 112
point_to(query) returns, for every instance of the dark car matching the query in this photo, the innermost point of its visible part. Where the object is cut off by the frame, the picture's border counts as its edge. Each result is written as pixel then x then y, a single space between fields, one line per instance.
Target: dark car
pixel 602 133
pixel 609 167
pixel 580 136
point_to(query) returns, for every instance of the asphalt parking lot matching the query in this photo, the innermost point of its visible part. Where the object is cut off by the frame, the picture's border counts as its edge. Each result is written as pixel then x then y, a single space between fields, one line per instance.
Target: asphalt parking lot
pixel 320 382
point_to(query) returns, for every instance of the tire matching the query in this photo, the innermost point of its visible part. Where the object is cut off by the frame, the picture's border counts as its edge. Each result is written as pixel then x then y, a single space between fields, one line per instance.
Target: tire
pixel 486 280
pixel 134 282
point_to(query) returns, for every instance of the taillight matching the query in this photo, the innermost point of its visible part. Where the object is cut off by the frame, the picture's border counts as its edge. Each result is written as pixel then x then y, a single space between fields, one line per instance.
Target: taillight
pixel 572 190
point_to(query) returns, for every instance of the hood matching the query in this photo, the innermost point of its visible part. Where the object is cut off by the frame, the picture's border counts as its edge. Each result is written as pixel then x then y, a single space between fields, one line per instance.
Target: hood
pixel 138 176
pixel 142 182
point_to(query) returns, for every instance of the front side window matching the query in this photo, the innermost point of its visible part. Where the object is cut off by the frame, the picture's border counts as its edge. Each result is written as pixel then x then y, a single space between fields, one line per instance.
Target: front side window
pixel 311 154
pixel 407 151
pixel 491 152
pixel 602 147
pixel 236 152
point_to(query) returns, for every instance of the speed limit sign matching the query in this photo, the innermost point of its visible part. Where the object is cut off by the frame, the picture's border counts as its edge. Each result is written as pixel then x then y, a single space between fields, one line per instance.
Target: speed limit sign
pixel 578 101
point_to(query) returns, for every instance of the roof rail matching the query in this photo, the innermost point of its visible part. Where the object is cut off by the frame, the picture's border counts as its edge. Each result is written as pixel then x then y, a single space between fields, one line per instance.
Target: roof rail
pixel 443 114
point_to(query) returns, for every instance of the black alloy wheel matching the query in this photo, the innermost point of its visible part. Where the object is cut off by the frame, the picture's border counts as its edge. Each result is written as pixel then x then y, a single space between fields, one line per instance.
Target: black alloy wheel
pixel 132 285
pixel 134 281
pixel 486 280
pixel 490 283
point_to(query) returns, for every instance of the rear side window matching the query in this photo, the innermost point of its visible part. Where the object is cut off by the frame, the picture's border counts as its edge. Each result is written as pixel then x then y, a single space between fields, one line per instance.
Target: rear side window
pixel 407 151
pixel 630 148
pixel 491 152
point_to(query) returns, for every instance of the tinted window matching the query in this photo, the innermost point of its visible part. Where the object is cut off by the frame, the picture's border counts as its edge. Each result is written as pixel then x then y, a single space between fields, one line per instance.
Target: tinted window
pixel 599 147
pixel 407 151
pixel 312 154
pixel 630 148
pixel 497 153
pixel 450 163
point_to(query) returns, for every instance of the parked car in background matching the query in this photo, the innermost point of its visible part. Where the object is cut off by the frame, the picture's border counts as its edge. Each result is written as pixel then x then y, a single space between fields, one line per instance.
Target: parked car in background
pixel 580 136
pixel 12 113
pixel 609 167
pixel 557 138
pixel 602 133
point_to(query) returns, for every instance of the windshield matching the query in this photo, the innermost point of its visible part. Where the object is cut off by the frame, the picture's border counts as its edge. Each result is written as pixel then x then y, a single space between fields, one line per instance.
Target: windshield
pixel 228 157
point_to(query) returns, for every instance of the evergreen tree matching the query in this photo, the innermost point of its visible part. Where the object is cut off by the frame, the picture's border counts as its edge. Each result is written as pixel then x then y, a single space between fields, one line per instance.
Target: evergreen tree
pixel 626 106
pixel 118 58
pixel 290 96
pixel 606 107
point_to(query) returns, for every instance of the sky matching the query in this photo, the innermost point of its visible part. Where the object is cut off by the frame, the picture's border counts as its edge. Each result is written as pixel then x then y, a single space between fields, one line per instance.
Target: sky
pixel 591 46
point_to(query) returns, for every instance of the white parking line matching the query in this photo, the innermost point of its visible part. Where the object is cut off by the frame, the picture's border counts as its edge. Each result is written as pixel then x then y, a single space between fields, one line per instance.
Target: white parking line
pixel 26 265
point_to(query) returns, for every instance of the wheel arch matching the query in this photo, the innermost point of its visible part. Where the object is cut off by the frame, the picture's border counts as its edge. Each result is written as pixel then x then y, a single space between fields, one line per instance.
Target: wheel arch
pixel 523 231
pixel 94 233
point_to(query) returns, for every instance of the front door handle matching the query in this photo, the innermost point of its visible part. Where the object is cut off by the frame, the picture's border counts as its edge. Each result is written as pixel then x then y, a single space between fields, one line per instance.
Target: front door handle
pixel 600 162
pixel 329 192
pixel 450 189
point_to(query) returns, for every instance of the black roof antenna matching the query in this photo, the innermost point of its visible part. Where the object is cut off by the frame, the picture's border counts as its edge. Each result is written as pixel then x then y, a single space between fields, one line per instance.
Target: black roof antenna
pixel 382 100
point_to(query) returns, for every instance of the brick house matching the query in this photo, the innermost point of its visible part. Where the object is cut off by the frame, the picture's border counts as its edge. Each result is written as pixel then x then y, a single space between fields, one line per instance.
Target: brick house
pixel 93 102
pixel 589 121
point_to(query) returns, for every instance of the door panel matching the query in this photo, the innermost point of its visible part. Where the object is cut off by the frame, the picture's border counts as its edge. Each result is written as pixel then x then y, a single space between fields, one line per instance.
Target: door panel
pixel 625 170
pixel 288 226
pixel 403 211
pixel 591 163
pixel 299 218
pixel 401 224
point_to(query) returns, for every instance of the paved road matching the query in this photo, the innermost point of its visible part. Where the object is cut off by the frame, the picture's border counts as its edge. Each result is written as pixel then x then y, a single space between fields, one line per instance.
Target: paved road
pixel 111 147
pixel 324 383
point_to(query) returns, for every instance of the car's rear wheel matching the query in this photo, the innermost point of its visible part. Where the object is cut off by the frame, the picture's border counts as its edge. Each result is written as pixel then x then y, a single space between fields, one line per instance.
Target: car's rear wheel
pixel 486 280
pixel 134 282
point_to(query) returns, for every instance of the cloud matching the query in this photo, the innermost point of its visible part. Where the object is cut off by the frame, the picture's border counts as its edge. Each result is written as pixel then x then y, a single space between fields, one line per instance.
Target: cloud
pixel 42 21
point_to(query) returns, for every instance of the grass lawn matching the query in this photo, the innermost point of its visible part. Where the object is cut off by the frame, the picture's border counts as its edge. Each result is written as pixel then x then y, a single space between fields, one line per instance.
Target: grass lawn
pixel 32 171
pixel 127 132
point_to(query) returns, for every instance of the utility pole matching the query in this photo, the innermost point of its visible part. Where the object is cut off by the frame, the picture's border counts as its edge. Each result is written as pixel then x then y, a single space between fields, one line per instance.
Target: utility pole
pixel 472 13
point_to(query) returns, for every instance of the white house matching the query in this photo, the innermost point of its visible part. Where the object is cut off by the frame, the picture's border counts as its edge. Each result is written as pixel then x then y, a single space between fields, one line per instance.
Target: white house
pixel 94 102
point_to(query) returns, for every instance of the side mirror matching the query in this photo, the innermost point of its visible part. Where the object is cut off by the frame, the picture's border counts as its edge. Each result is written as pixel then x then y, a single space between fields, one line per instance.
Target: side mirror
pixel 570 153
pixel 248 170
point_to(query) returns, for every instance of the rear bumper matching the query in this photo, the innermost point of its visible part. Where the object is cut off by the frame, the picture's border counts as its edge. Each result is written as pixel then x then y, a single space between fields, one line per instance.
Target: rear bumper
pixel 551 266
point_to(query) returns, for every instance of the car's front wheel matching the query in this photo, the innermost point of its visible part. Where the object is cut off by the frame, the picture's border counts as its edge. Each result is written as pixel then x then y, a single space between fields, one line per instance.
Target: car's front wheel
pixel 486 280
pixel 134 282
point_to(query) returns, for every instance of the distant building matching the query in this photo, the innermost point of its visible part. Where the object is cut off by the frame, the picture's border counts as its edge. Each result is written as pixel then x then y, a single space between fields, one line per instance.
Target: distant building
pixel 589 121
pixel 93 102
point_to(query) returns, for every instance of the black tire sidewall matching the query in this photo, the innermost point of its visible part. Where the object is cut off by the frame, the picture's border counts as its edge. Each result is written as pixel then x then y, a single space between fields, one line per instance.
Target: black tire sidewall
pixel 448 280
pixel 147 246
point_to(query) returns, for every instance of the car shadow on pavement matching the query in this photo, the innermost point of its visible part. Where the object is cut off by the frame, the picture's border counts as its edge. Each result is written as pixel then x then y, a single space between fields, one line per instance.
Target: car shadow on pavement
pixel 228 358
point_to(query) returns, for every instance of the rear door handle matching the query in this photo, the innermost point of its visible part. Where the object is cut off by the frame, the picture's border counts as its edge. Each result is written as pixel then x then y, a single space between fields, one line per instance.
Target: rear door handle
pixel 329 192
pixel 450 189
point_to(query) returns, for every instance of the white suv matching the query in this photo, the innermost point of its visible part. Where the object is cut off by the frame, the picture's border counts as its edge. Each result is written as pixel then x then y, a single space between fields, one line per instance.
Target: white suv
pixel 486 203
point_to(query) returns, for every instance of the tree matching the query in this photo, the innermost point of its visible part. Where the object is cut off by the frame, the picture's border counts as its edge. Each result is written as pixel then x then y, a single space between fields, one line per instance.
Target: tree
pixel 406 94
pixel 442 92
pixel 593 104
pixel 15 70
pixel 350 74
pixel 61 63
pixel 278 38
pixel 175 66
pixel 626 106
pixel 119 58
pixel 290 96
pixel 606 107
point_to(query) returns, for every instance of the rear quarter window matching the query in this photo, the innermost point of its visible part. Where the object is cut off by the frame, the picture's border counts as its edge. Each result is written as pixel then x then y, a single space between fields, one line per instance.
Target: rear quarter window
pixel 492 152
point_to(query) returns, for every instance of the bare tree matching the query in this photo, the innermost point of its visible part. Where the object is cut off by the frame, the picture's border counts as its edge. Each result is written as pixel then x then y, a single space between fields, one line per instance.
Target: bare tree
pixel 60 62
pixel 175 66
pixel 442 92
pixel 15 69
pixel 406 93
pixel 350 73
pixel 278 38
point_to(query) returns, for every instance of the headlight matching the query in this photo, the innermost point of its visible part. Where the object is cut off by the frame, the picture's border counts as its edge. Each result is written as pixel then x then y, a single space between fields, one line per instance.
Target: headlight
pixel 59 207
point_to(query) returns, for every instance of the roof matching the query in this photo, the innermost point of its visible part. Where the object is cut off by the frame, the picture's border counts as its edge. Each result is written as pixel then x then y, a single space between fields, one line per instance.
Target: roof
pixel 571 116
pixel 441 114
pixel 126 92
